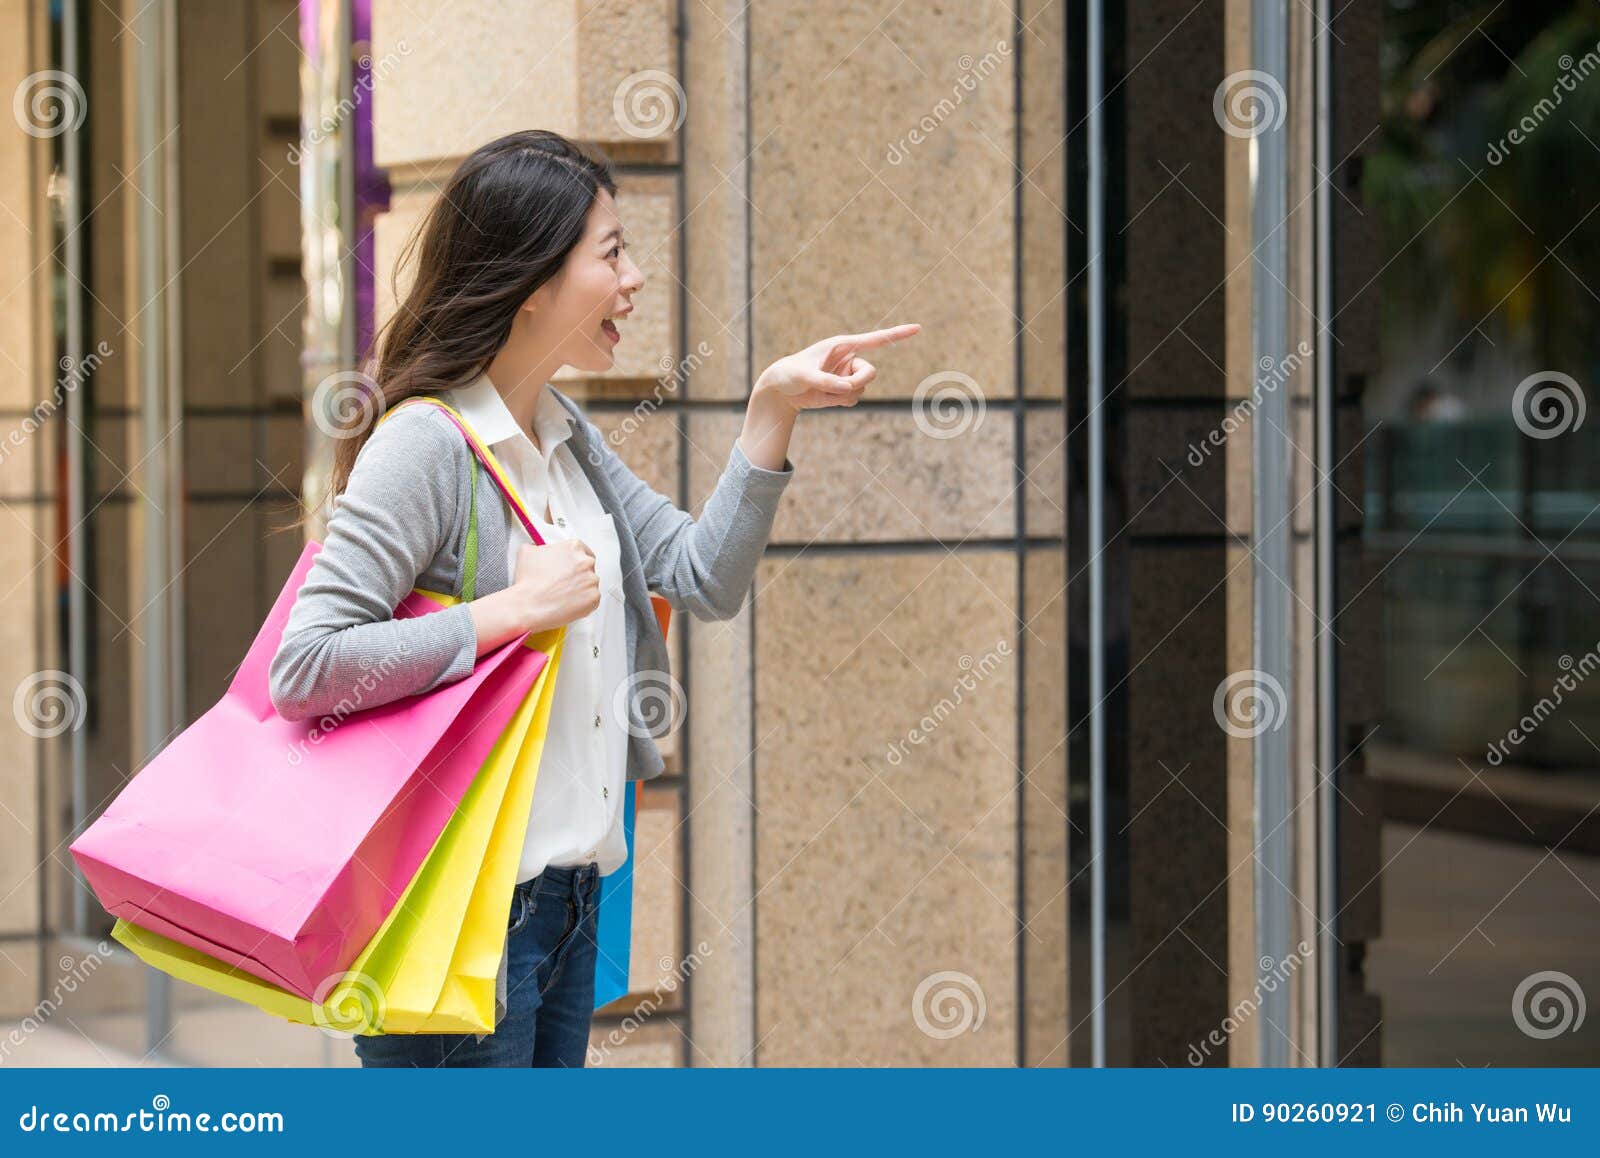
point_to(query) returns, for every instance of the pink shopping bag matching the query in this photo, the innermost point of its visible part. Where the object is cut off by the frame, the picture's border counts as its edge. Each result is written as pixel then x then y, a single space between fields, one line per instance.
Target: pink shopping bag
pixel 281 846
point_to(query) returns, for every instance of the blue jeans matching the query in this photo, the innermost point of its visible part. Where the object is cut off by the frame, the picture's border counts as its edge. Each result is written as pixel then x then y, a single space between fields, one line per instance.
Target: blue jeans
pixel 549 985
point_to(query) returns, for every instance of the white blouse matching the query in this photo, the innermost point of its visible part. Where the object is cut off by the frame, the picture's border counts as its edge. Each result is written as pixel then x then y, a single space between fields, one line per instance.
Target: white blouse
pixel 576 815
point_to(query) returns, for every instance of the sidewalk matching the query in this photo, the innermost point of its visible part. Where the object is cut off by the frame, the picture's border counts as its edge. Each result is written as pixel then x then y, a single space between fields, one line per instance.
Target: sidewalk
pixel 50 1045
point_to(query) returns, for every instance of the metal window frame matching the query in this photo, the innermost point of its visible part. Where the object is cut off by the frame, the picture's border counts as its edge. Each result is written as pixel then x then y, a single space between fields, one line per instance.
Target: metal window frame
pixel 1096 469
pixel 1272 640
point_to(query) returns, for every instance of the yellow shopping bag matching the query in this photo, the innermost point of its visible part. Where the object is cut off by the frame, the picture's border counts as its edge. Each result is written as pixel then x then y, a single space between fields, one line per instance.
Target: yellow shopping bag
pixel 433 965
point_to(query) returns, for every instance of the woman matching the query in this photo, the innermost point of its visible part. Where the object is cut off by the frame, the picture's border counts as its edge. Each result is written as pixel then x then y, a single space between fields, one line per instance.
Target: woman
pixel 521 268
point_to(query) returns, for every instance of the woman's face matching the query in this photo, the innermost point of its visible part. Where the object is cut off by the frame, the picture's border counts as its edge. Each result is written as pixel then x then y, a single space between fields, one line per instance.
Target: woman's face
pixel 578 313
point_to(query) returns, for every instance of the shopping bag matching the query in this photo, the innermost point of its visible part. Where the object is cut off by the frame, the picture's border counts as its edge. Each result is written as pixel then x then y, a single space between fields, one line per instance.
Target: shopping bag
pixel 614 930
pixel 434 964
pixel 280 846
pixel 463 997
pixel 614 917
pixel 443 954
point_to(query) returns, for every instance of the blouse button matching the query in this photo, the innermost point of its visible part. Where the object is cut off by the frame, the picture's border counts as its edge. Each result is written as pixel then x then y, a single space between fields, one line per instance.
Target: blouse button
pixel 597 651
pixel 561 521
pixel 597 721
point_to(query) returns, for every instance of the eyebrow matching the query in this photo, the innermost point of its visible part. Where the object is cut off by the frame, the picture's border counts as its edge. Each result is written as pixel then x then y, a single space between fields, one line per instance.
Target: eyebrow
pixel 614 231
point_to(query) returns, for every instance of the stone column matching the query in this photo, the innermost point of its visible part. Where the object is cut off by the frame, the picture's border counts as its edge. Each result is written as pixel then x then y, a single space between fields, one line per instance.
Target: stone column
pixel 1188 593
pixel 27 494
pixel 863 829
pixel 908 698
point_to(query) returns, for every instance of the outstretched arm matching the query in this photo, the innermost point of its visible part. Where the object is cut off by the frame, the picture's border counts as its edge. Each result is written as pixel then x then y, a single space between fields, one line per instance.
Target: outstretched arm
pixel 706 565
pixel 703 566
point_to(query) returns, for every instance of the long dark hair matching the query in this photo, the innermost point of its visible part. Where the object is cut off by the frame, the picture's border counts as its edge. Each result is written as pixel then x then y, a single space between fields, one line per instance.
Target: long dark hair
pixel 504 225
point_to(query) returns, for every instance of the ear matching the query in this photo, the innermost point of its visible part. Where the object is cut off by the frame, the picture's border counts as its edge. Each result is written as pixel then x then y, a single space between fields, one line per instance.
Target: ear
pixel 540 298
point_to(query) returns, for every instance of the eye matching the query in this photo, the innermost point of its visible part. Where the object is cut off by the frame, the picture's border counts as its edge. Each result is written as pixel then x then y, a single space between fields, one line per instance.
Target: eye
pixel 615 250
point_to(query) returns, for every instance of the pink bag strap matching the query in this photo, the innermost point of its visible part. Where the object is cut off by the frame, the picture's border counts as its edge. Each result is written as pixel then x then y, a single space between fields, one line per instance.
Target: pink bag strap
pixel 659 603
pixel 485 456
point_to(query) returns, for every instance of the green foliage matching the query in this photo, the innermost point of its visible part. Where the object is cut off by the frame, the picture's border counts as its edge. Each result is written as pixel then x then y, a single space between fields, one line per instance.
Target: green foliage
pixel 1483 174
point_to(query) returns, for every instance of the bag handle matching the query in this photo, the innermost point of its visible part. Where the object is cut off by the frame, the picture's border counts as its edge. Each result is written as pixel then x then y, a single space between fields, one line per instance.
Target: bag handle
pixel 469 580
pixel 483 454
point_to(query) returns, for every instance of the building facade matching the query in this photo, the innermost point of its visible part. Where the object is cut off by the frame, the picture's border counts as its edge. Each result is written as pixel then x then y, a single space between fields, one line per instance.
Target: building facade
pixel 1139 675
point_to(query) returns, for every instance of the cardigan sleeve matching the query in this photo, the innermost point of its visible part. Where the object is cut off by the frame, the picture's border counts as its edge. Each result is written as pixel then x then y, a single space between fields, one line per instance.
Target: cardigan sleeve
pixel 706 565
pixel 342 649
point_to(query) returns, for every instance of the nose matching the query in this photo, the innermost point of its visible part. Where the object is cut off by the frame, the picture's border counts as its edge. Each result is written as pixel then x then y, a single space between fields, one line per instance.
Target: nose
pixel 632 275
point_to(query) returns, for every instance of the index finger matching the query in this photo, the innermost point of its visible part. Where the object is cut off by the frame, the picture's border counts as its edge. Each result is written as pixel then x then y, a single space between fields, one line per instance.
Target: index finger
pixel 875 338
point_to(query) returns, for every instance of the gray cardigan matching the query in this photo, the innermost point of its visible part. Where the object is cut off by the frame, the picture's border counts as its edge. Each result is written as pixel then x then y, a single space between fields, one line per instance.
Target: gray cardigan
pixel 401 522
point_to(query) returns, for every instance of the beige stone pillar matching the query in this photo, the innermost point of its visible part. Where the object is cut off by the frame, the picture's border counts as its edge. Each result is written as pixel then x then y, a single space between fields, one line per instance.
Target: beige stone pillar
pixel 837 168
pixel 909 699
pixel 26 489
